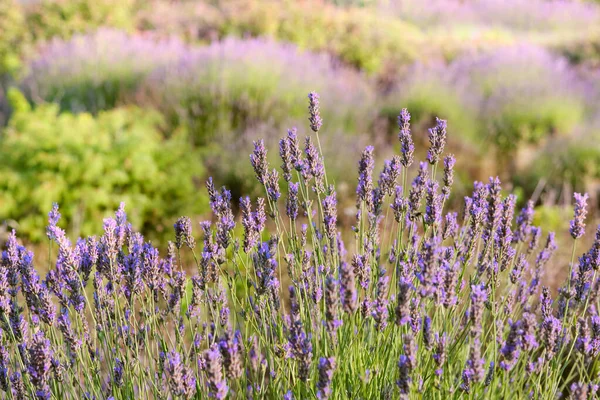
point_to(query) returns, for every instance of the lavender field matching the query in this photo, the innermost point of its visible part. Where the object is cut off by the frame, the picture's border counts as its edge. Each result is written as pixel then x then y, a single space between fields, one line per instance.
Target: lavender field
pixel 423 225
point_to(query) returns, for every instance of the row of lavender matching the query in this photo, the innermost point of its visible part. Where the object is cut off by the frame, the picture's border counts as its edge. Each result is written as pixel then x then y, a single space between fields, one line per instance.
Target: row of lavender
pixel 508 97
pixel 430 304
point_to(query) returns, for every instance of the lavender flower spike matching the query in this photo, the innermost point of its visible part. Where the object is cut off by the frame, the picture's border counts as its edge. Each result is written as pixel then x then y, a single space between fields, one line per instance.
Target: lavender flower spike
pixel 314 112
pixel 216 382
pixel 258 159
pixel 183 233
pixel 364 189
pixel 437 139
pixel 577 228
pixel 326 369
pixel 407 146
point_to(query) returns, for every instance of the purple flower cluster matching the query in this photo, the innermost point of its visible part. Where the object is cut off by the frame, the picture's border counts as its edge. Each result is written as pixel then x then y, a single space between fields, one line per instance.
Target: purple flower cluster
pixel 455 300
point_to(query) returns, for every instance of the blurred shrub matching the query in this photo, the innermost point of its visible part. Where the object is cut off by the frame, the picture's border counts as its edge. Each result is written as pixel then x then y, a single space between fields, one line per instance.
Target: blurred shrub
pixel 518 15
pixel 236 84
pixel 95 71
pixel 89 165
pixel 357 36
pixel 574 162
pixel 13 36
pixel 514 95
pixel 528 93
pixel 49 19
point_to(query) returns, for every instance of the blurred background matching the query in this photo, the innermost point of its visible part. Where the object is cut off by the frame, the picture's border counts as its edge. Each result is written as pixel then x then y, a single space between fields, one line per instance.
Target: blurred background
pixel 103 101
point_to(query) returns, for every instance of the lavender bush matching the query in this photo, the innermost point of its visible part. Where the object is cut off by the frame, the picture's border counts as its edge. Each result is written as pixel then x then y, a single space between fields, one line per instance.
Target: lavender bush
pixel 424 302
pixel 509 96
pixel 95 71
pixel 235 84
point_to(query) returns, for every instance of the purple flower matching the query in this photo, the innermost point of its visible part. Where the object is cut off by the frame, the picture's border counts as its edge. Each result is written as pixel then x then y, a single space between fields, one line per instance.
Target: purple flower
pixel 388 176
pixel 475 367
pixel 478 298
pixel 183 233
pixel 450 225
pixel 301 347
pixel 53 218
pixel 314 165
pixel 118 372
pixel 40 361
pixel 326 369
pixel 348 288
pixel 259 162
pixel 530 325
pixel 402 302
pixel 551 328
pixel 440 352
pixel 253 222
pixel 524 221
pixel 217 385
pixel 433 205
pixel 511 349
pixel 449 162
pixel 417 191
pixel 291 205
pixel 437 140
pixel 380 311
pixel 285 152
pixel 577 227
pixel 399 205
pixel 231 352
pixel 407 146
pixel 330 215
pixel 272 185
pixel 331 306
pixel 314 112
pixel 364 189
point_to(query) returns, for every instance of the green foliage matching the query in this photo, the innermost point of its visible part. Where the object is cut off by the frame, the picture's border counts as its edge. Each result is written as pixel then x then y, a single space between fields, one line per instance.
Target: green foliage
pixel 89 165
pixel 13 36
pixel 562 161
pixel 516 122
pixel 430 99
pixel 63 18
pixel 358 36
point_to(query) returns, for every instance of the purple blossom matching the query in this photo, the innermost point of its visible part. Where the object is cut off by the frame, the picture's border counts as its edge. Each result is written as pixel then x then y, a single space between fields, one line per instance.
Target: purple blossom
pixel 524 221
pixel 217 385
pixel 291 206
pixel 330 215
pixel 314 165
pixel 380 311
pixel 511 349
pixel 314 112
pixel 364 189
pixel 40 361
pixel 577 227
pixel 478 298
pixel 437 140
pixel 326 370
pixel 183 233
pixel 449 162
pixel 332 300
pixel 285 152
pixel 417 191
pixel 389 175
pixel 259 162
pixel 450 228
pixel 407 146
pixel 231 352
pixel 348 288
pixel 433 205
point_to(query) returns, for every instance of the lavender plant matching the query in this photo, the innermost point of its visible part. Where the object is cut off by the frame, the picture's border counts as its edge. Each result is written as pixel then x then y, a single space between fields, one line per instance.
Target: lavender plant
pixel 423 303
